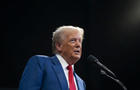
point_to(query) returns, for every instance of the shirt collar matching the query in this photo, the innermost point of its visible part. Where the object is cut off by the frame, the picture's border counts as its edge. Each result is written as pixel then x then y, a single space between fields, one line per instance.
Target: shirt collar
pixel 63 61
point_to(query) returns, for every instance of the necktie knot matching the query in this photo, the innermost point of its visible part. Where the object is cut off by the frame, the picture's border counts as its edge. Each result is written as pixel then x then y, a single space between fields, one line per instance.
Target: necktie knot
pixel 69 67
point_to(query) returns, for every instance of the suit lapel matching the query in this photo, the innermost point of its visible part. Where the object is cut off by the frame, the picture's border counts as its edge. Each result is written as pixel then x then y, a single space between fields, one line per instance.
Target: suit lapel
pixel 59 73
pixel 79 82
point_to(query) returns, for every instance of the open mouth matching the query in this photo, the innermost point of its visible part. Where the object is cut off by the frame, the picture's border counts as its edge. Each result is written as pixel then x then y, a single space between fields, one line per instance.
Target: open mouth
pixel 77 51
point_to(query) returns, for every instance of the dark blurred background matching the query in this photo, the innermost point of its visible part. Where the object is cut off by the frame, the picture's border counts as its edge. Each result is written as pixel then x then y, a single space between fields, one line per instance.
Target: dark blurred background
pixel 112 29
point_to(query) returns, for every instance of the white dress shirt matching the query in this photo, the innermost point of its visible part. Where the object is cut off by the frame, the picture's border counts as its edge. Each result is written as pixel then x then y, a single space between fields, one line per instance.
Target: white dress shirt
pixel 64 66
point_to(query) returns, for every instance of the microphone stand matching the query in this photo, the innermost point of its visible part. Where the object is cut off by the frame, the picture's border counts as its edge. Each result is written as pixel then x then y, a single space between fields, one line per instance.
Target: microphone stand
pixel 115 79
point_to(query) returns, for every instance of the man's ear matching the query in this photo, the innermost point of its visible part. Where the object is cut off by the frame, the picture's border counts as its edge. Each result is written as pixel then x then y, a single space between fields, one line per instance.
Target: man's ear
pixel 58 47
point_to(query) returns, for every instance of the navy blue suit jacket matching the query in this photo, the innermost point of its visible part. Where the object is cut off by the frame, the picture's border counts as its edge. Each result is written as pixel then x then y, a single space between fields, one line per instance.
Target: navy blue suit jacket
pixel 46 73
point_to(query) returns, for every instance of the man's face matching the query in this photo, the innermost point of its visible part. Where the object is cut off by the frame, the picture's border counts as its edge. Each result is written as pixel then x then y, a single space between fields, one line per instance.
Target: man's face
pixel 71 46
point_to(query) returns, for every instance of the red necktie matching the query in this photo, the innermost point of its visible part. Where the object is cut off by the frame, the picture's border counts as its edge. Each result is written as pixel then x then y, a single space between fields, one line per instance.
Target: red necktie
pixel 71 78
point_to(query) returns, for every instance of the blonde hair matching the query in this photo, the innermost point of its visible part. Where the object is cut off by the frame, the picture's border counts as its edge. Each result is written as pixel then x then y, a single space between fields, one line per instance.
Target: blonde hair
pixel 58 35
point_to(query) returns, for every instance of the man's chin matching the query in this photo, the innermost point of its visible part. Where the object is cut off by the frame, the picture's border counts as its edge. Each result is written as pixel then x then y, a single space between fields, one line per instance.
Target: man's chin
pixel 77 57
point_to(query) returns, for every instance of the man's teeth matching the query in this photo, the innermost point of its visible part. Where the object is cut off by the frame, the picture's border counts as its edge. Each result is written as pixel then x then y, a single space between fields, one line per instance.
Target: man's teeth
pixel 77 51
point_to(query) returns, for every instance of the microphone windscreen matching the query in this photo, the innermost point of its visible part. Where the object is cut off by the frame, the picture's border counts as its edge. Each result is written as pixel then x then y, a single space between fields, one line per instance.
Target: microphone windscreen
pixel 92 58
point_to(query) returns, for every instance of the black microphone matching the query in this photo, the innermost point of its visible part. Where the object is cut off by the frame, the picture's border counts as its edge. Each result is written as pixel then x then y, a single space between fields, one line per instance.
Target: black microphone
pixel 93 59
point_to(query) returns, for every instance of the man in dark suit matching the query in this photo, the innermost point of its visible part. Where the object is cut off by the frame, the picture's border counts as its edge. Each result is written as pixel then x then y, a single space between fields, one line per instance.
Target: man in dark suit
pixel 57 72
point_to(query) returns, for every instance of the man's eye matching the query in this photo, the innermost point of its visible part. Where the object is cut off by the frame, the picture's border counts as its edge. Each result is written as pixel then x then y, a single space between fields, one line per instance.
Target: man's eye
pixel 72 40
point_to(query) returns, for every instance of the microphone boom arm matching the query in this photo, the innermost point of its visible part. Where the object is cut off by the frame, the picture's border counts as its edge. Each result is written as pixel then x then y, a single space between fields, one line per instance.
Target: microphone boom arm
pixel 104 67
pixel 116 80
